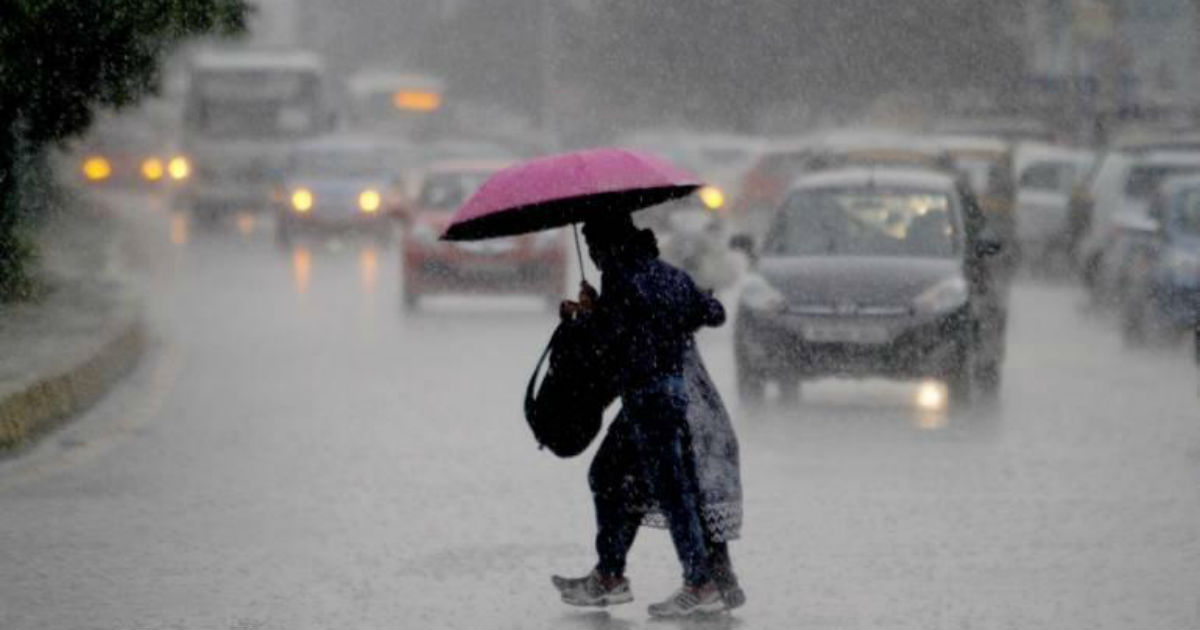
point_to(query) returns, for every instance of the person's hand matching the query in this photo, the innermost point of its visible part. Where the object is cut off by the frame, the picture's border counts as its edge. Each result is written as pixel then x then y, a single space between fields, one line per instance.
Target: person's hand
pixel 587 296
pixel 571 310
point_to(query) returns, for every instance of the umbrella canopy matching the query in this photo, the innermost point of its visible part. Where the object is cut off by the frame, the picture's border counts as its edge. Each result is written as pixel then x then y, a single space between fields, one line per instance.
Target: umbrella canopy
pixel 561 189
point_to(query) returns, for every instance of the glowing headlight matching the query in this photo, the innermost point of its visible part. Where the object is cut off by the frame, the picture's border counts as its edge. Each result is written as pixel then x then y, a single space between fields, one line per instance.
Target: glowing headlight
pixel 369 201
pixel 759 295
pixel 152 169
pixel 179 168
pixel 96 168
pixel 302 200
pixel 942 297
pixel 711 197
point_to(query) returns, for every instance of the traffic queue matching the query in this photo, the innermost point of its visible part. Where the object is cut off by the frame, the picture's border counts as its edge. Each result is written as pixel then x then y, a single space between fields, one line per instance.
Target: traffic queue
pixel 858 252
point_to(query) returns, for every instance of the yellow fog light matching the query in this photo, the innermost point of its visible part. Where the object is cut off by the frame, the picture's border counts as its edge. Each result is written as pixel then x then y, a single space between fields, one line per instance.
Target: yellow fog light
pixel 369 201
pixel 179 168
pixel 96 168
pixel 711 197
pixel 302 200
pixel 152 169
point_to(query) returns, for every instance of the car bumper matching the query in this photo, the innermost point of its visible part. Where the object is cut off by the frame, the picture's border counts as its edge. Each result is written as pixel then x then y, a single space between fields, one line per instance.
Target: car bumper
pixel 231 197
pixel 345 220
pixel 542 273
pixel 910 347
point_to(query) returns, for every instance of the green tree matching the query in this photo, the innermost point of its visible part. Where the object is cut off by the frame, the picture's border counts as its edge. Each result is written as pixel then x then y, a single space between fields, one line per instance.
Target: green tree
pixel 59 60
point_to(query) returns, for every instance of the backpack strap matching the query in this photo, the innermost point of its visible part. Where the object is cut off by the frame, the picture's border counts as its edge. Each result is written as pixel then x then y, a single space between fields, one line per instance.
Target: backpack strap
pixel 531 389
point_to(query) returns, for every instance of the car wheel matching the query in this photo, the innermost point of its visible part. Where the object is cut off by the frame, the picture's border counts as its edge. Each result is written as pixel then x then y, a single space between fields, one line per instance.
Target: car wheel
pixel 1133 322
pixel 410 300
pixel 789 390
pixel 751 386
pixel 988 379
pixel 960 380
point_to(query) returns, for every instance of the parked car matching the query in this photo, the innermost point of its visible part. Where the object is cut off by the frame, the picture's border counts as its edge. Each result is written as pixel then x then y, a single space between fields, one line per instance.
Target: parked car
pixel 871 271
pixel 339 184
pixel 1117 198
pixel 1162 287
pixel 530 263
pixel 1046 176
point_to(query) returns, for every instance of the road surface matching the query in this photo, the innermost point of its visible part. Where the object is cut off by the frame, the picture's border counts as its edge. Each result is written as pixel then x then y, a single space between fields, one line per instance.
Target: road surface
pixel 298 451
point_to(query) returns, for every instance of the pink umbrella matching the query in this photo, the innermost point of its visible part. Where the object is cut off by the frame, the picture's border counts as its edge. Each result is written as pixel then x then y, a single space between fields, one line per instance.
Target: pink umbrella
pixel 569 188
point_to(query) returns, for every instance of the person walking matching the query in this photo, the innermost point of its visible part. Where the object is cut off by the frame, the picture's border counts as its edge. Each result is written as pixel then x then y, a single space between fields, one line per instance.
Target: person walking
pixel 670 458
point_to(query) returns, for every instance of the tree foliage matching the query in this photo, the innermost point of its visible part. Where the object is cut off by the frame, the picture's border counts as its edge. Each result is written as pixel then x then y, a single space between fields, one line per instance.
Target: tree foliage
pixel 59 61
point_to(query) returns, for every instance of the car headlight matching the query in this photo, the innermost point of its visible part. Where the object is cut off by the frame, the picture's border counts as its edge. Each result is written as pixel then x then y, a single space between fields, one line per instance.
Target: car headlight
pixel 152 169
pixel 179 168
pixel 1184 265
pixel 97 168
pixel 424 233
pixel 369 201
pixel 942 297
pixel 543 241
pixel 711 197
pixel 759 295
pixel 302 200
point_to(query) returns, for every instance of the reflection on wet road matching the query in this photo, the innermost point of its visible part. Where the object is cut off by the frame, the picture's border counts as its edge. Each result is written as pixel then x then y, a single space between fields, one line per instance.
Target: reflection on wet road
pixel 322 458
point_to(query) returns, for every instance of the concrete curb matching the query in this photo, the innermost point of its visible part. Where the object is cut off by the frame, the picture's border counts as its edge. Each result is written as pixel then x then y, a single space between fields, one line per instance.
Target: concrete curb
pixel 45 404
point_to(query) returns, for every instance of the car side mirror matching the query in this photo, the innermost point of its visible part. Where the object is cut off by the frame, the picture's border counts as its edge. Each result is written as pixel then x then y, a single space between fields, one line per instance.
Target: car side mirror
pixel 988 246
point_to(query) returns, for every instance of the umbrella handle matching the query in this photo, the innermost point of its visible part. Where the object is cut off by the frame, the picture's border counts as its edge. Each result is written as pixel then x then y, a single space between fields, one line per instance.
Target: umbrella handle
pixel 578 251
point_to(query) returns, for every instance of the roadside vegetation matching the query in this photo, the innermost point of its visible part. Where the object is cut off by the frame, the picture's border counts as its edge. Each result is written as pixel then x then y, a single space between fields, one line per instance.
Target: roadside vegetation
pixel 60 60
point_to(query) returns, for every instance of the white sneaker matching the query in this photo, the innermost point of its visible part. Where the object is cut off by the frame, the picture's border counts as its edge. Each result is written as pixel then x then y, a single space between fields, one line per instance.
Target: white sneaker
pixel 593 590
pixel 688 601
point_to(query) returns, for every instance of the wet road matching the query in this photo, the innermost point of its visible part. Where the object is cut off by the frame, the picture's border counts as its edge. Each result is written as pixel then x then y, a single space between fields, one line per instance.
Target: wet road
pixel 296 451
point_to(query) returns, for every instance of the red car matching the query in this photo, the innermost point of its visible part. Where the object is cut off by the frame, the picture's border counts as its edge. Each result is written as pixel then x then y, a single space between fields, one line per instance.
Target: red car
pixel 531 263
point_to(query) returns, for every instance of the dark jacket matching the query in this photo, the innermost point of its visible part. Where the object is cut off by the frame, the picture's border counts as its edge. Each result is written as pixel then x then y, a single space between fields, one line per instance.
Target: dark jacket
pixel 647 316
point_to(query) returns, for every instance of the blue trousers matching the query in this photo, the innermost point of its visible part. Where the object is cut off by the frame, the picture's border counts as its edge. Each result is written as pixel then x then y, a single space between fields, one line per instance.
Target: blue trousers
pixel 646 458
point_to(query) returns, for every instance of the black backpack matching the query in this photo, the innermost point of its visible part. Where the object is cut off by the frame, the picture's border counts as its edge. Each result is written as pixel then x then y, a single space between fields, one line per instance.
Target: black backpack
pixel 567 410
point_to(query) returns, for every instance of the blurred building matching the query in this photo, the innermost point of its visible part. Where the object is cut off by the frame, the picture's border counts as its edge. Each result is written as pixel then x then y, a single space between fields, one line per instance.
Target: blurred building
pixel 1103 59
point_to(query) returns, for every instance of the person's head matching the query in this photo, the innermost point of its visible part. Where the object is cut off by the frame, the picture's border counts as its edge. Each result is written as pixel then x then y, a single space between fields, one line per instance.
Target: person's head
pixel 610 238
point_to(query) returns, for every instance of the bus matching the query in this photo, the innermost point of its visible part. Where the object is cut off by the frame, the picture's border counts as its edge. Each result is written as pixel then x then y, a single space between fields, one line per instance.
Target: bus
pixel 243 111
pixel 395 103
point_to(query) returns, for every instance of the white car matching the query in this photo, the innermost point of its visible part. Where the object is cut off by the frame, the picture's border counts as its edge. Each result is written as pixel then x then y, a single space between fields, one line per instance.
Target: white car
pixel 1120 192
pixel 1046 176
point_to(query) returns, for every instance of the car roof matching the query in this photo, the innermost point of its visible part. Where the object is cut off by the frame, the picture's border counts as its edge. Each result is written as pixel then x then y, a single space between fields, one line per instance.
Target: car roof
pixel 344 142
pixel 467 166
pixel 971 144
pixel 858 176
pixel 1167 158
pixel 370 80
pixel 1135 140
pixel 257 59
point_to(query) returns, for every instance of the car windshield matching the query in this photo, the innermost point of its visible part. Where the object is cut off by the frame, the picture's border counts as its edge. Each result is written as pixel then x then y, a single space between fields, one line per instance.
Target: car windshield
pixel 447 191
pixel 349 164
pixel 1144 179
pixel 257 104
pixel 857 222
pixel 1187 218
pixel 1048 176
